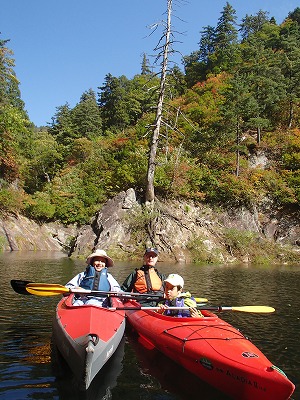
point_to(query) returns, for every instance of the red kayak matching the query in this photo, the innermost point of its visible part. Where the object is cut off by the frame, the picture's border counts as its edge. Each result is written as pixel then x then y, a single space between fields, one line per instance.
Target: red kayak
pixel 87 336
pixel 213 350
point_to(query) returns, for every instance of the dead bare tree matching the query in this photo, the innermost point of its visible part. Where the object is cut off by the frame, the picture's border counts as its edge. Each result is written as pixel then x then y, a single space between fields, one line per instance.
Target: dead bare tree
pixel 150 195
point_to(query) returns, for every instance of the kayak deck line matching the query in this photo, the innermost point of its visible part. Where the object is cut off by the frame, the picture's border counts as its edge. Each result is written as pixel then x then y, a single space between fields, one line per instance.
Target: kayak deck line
pixel 198 328
pixel 196 331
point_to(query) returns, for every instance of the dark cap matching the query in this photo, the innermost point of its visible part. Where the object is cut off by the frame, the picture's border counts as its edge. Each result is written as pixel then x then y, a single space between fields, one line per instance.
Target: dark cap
pixel 151 250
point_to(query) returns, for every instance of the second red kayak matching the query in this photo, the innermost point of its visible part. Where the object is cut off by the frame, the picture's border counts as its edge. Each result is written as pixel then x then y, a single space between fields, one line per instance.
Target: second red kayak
pixel 215 351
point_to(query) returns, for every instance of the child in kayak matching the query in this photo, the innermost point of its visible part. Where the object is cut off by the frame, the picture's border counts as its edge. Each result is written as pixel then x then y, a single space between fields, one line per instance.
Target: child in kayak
pixel 175 298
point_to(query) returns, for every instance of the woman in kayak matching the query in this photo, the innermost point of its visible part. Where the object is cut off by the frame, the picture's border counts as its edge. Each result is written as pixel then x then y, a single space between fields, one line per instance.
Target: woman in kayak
pixel 175 298
pixel 146 279
pixel 95 277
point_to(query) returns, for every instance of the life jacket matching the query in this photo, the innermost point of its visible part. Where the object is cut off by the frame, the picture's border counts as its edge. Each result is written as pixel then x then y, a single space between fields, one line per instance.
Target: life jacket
pixel 181 301
pixel 94 280
pixel 147 281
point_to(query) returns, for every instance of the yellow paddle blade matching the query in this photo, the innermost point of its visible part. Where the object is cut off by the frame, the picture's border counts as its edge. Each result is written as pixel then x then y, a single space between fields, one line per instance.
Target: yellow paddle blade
pixel 254 309
pixel 201 300
pixel 46 289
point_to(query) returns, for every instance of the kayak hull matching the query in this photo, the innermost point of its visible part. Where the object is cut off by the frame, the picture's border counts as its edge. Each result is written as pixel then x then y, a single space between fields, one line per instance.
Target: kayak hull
pixel 87 336
pixel 214 351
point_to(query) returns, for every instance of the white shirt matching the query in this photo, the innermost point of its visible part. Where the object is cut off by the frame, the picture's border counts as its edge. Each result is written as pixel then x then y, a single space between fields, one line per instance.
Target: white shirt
pixel 75 282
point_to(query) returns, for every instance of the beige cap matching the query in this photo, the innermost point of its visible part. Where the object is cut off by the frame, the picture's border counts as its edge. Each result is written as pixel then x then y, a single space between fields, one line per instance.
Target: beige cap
pixel 175 280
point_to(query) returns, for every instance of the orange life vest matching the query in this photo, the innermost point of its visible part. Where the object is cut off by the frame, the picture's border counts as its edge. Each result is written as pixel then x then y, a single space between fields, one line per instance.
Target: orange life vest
pixel 141 283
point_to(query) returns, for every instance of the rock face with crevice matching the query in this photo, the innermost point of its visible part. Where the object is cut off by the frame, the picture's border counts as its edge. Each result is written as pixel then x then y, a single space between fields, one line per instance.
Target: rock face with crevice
pixel 179 230
pixel 177 226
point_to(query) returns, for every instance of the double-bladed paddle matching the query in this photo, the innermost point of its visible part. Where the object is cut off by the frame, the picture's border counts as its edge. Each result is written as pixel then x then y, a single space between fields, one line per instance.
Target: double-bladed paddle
pixel 49 289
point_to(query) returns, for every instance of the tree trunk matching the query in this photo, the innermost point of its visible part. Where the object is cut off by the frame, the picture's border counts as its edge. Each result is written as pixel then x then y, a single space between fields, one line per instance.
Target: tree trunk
pixel 291 114
pixel 150 195
pixel 258 135
pixel 237 169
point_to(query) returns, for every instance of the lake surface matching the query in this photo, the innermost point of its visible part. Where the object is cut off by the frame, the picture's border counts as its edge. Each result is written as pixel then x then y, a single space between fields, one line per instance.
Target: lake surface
pixel 29 370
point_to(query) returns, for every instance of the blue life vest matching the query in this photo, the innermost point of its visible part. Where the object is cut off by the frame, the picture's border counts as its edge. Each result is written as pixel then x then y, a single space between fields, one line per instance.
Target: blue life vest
pixel 178 302
pixel 94 280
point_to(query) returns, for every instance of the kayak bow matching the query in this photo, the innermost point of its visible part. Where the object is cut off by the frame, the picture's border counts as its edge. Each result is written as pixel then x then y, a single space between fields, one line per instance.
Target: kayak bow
pixel 87 336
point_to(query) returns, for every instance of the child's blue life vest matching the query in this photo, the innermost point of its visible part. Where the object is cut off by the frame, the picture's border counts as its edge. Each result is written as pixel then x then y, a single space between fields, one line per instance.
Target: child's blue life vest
pixel 178 302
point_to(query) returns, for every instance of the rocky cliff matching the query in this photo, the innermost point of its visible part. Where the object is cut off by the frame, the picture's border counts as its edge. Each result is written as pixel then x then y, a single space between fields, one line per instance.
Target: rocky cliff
pixel 18 233
pixel 183 232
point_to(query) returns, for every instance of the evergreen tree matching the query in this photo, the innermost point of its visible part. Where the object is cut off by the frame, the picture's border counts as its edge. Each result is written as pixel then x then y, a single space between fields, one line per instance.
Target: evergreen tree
pixel 260 68
pixel 145 66
pixel 207 43
pixel 252 24
pixel 226 52
pixel 195 71
pixel 290 66
pixel 14 122
pixel 122 101
pixel 62 127
pixel 226 32
pixel 86 117
pixel 295 15
pixel 9 84
pixel 44 163
pixel 113 102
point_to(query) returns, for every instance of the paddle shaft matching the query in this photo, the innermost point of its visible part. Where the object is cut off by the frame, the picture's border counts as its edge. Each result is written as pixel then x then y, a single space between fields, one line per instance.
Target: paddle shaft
pixel 252 309
pixel 48 289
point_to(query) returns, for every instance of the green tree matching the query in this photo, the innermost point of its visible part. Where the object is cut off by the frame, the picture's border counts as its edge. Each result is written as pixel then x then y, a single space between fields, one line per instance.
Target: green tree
pixel 295 15
pixel 9 84
pixel 14 123
pixel 123 101
pixel 207 43
pixel 290 66
pixel 86 117
pixel 252 24
pixel 195 71
pixel 44 163
pixel 62 126
pixel 225 55
pixel 226 32
pixel 261 70
pixel 113 102
pixel 145 70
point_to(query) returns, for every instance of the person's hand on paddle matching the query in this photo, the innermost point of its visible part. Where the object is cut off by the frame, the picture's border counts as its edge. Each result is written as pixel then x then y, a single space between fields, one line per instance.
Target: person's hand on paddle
pixel 195 313
pixel 162 308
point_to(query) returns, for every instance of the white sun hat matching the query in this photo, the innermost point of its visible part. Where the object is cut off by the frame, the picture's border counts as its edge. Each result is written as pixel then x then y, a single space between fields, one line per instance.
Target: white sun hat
pixel 100 253
pixel 175 280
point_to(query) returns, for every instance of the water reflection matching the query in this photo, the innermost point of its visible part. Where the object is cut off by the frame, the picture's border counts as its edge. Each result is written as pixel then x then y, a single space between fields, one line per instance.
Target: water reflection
pixel 26 367
pixel 102 385
pixel 171 376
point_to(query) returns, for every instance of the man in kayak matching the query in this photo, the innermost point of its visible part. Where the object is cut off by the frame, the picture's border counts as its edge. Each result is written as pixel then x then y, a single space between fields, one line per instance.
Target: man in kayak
pixel 146 279
pixel 95 277
pixel 174 297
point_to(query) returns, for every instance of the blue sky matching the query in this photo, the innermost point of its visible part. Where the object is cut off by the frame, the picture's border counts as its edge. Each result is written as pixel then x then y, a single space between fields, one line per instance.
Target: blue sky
pixel 65 47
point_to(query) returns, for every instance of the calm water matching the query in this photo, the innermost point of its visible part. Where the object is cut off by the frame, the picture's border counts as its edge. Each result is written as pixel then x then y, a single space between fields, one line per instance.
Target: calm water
pixel 28 369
